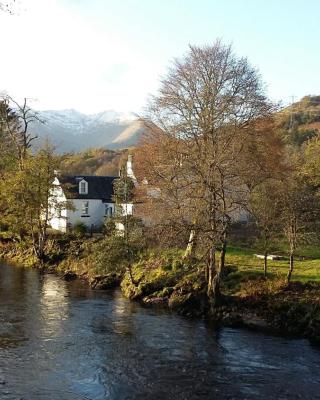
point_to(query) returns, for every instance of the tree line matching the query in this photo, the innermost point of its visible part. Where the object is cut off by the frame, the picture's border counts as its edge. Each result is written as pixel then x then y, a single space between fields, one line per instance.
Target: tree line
pixel 26 178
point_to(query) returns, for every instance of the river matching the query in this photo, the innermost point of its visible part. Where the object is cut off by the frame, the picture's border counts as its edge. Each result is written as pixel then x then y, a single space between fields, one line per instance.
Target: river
pixel 63 341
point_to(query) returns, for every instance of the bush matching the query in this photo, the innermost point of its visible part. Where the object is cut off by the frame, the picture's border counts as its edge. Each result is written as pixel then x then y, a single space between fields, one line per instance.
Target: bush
pixel 80 229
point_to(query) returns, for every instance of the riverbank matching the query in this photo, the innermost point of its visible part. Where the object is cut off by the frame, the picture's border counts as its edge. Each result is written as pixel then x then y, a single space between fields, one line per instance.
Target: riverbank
pixel 61 341
pixel 253 302
pixel 161 279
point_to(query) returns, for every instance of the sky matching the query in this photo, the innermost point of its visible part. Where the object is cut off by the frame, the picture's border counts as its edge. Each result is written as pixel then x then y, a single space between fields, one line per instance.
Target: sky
pixel 95 55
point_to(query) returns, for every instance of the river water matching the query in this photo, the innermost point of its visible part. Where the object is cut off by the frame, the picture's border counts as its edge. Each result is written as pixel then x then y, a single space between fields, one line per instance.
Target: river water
pixel 62 341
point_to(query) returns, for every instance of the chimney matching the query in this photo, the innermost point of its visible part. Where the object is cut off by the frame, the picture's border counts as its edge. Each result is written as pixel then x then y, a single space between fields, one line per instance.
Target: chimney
pixel 130 172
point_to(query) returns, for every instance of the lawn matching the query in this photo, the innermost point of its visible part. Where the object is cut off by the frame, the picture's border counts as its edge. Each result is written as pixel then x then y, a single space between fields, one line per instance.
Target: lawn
pixel 245 266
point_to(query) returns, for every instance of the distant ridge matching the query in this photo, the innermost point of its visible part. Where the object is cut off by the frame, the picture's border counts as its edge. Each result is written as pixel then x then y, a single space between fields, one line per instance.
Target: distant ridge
pixel 72 131
pixel 130 135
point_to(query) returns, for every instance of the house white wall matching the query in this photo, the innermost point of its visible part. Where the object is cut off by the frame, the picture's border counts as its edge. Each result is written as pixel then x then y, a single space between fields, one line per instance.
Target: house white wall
pixel 95 216
pixel 57 209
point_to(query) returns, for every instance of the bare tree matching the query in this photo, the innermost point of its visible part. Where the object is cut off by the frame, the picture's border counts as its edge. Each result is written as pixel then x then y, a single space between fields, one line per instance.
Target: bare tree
pixel 299 208
pixel 17 125
pixel 207 108
pixel 265 208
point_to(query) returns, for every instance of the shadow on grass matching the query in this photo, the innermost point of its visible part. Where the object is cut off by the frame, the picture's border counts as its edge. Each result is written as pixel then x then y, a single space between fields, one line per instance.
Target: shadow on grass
pixel 305 278
pixel 234 281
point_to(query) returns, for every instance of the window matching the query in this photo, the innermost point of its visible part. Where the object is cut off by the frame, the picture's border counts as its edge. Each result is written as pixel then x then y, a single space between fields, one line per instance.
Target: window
pixel 85 208
pixel 108 210
pixel 83 187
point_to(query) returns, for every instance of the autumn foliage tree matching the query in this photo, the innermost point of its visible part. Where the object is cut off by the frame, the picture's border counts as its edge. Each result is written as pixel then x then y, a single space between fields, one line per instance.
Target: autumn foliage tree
pixel 26 177
pixel 206 110
pixel 27 200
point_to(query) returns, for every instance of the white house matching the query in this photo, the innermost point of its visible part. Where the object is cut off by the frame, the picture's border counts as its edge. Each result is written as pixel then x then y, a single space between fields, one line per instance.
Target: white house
pixel 85 199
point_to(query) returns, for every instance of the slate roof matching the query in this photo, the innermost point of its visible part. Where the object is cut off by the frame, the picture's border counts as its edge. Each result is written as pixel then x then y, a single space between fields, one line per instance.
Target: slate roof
pixel 99 187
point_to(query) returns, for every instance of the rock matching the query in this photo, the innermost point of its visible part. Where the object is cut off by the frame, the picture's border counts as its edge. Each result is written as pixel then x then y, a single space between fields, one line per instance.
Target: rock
pixel 254 322
pixel 155 300
pixel 69 276
pixel 104 282
pixel 191 304
pixel 231 318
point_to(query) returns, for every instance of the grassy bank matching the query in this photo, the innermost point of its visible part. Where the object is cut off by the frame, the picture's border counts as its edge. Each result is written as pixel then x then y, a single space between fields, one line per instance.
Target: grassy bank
pixel 248 298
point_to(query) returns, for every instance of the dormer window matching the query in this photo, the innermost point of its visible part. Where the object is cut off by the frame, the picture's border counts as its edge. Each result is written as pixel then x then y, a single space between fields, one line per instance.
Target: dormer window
pixel 83 187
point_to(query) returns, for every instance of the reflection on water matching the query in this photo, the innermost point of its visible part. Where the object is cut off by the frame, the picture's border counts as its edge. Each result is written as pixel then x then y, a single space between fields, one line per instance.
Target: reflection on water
pixel 62 341
pixel 53 307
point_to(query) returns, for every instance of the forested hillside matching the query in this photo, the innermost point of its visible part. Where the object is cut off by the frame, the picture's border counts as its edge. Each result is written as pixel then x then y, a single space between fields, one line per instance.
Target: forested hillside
pixel 300 121
pixel 93 162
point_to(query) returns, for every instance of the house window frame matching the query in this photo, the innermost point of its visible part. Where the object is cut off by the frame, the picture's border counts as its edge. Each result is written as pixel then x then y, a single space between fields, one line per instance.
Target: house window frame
pixel 83 187
pixel 108 211
pixel 85 208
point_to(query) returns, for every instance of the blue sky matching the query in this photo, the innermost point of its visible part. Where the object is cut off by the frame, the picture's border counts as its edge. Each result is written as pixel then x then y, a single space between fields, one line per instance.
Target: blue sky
pixel 93 55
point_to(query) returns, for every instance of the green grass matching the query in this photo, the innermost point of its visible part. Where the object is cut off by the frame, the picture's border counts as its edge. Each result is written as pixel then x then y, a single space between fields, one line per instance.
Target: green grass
pixel 246 267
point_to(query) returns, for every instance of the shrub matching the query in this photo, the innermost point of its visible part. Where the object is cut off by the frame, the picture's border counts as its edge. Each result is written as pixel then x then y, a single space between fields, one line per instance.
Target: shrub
pixel 80 229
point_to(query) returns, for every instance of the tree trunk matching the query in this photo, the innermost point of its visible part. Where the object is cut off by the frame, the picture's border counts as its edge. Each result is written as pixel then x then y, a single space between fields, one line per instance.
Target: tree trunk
pixel 38 247
pixel 265 263
pixel 211 271
pixel 206 272
pixel 191 245
pixel 42 239
pixel 216 294
pixel 223 256
pixel 291 259
pixel 132 280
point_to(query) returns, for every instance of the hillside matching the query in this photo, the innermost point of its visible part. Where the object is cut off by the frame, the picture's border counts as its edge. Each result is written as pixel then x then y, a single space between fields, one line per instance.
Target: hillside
pixel 301 120
pixel 129 136
pixel 93 162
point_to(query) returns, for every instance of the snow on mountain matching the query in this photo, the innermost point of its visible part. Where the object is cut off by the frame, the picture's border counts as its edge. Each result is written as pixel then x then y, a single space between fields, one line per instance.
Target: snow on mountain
pixel 80 122
pixel 66 119
pixel 112 116
pixel 71 130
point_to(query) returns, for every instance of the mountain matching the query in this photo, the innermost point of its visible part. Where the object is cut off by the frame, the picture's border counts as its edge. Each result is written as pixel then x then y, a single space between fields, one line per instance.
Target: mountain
pixel 130 135
pixel 70 130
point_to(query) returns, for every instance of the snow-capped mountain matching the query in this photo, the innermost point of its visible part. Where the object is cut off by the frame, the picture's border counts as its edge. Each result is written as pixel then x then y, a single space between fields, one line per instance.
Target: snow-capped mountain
pixel 71 130
pixel 112 116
